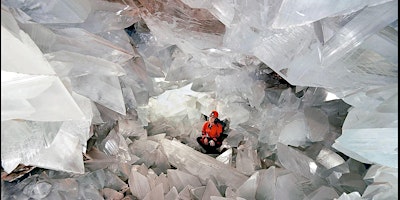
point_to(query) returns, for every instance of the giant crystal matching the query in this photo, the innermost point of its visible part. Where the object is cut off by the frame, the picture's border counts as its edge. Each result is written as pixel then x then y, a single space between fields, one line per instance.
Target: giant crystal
pixel 269 67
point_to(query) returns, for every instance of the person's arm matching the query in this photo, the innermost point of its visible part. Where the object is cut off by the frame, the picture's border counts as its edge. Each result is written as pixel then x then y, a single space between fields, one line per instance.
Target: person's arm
pixel 203 131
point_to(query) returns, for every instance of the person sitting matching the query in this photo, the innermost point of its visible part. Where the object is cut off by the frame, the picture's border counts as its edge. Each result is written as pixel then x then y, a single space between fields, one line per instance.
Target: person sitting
pixel 211 133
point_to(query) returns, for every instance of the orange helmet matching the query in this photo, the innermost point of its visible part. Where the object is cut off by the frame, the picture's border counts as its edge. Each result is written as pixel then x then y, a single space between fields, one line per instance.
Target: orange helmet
pixel 214 113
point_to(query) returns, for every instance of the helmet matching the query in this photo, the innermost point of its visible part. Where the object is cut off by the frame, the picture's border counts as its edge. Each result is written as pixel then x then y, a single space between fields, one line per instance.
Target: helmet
pixel 214 113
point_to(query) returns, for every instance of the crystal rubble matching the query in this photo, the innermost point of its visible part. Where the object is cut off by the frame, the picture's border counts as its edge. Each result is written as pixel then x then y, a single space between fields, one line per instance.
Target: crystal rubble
pixel 248 189
pixel 115 145
pixel 86 186
pixel 198 192
pixel 382 182
pixel 149 154
pixel 351 196
pixel 372 124
pixel 257 183
pixel 297 162
pixel 211 190
pixel 138 184
pixel 225 157
pixel 54 91
pixel 266 182
pixel 180 179
pixel 370 72
pixel 73 11
pixel 247 160
pixel 331 172
pixel 389 77
pixel 323 192
pixel 108 193
pixel 17 173
pixel 186 194
pixel 172 194
pixel 318 123
pixel 95 159
pixel 201 165
pixel 156 193
pixel 44 153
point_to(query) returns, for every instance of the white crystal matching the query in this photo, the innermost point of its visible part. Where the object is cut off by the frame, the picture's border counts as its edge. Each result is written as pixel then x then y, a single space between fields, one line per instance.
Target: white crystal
pixel 200 165
pixel 59 11
pixel 138 184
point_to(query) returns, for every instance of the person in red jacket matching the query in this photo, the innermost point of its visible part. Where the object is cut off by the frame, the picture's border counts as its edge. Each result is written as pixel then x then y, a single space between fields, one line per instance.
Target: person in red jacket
pixel 210 134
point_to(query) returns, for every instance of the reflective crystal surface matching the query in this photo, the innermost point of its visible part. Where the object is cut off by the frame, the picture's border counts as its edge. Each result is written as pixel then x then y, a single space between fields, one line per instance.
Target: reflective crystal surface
pixel 105 99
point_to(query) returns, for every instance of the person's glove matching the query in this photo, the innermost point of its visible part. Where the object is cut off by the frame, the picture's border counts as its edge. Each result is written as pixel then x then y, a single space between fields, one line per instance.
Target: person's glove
pixel 212 143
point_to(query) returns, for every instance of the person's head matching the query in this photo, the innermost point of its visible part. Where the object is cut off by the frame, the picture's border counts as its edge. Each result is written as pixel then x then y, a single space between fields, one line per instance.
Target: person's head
pixel 213 116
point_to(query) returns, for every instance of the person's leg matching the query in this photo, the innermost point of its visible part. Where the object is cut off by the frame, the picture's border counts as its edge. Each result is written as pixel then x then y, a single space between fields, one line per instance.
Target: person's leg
pixel 201 142
pixel 211 149
pixel 220 139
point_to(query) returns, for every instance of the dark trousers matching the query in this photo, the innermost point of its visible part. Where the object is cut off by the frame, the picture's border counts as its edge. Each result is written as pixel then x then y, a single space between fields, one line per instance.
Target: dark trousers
pixel 212 149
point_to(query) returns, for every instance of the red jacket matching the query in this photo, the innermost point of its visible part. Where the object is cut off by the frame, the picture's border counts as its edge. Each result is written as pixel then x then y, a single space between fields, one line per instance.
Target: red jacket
pixel 214 131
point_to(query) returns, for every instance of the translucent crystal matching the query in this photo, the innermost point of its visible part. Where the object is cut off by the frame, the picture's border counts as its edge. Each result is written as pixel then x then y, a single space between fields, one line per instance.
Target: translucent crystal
pixel 138 184
pixel 200 165
pixel 53 11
